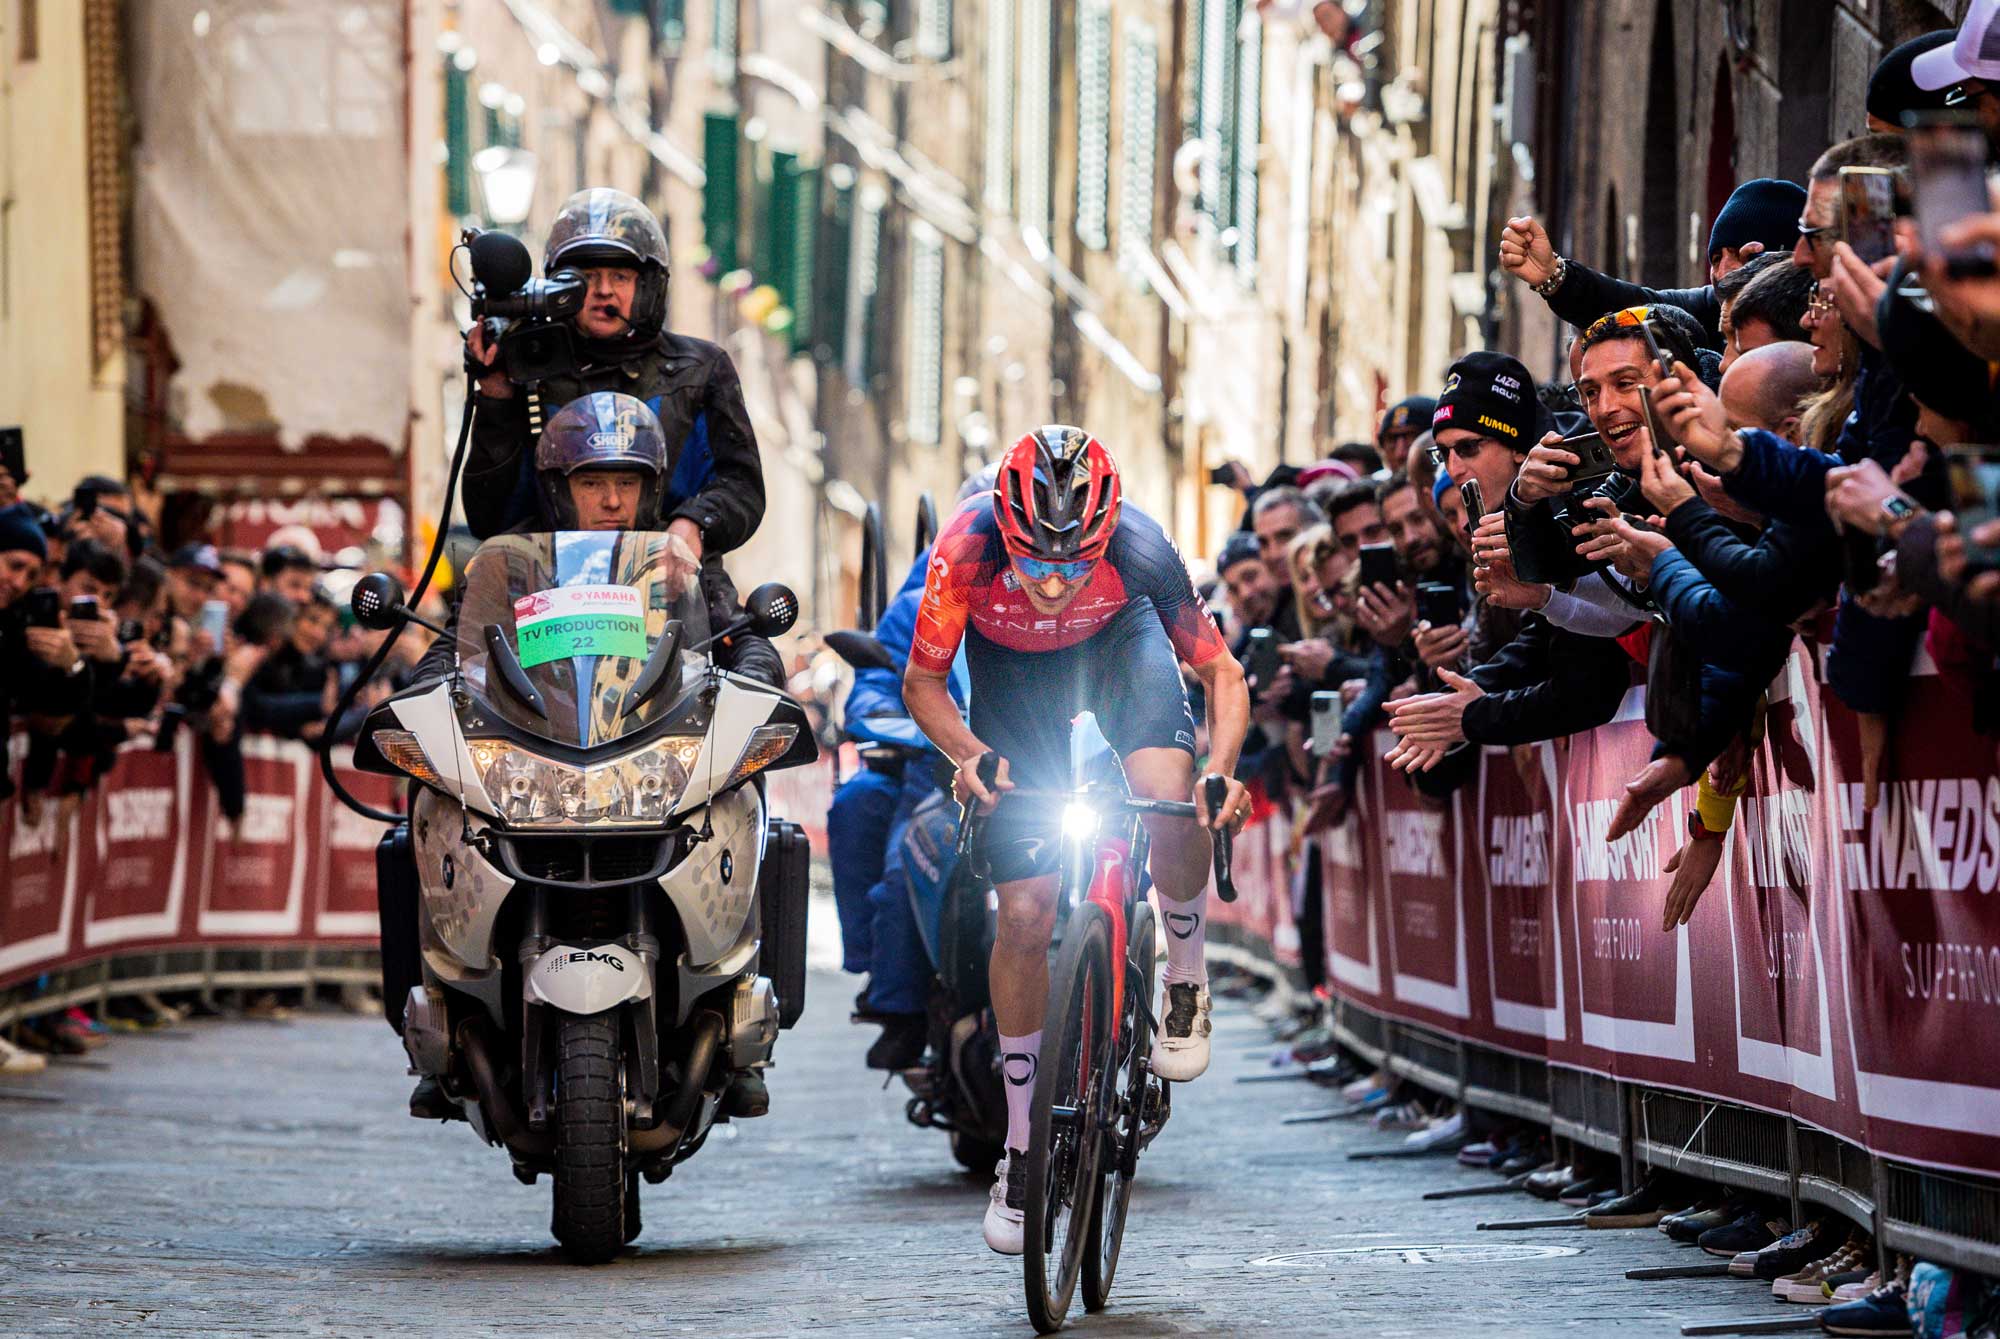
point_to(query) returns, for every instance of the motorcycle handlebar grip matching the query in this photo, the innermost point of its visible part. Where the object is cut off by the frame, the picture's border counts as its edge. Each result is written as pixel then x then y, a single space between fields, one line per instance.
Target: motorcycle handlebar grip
pixel 1215 790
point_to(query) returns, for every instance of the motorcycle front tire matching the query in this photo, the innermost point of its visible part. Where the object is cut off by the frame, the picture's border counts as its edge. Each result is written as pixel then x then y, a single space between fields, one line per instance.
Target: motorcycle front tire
pixel 589 1118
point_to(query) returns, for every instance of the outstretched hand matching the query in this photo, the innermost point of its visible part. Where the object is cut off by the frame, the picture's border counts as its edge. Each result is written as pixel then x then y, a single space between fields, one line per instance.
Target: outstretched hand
pixel 1643 793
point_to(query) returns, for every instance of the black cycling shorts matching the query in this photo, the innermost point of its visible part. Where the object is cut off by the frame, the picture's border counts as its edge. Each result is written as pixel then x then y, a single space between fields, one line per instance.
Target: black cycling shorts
pixel 1022 706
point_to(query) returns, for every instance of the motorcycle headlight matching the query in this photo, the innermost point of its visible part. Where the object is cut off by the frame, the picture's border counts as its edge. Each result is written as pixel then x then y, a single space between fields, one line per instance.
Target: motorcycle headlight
pixel 529 790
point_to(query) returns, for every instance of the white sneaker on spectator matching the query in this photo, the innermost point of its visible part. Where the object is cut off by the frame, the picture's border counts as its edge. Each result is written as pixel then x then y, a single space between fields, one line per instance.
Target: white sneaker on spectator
pixel 14 1060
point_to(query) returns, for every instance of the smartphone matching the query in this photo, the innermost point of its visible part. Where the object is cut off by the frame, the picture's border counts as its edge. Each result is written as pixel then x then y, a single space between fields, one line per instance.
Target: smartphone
pixel 1665 364
pixel 1260 660
pixel 1224 474
pixel 214 623
pixel 1868 212
pixel 1597 459
pixel 1475 503
pixel 130 630
pixel 1948 167
pixel 1326 714
pixel 85 606
pixel 1439 605
pixel 1378 565
pixel 44 607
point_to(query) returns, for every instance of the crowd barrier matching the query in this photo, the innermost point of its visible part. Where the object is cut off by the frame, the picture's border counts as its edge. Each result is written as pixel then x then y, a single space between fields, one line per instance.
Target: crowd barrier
pixel 141 883
pixel 1827 1027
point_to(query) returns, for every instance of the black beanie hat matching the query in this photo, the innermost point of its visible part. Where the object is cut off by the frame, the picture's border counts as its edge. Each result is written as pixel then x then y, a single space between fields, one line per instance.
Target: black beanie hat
pixel 1412 412
pixel 1765 210
pixel 21 531
pixel 1240 547
pixel 1894 90
pixel 1493 395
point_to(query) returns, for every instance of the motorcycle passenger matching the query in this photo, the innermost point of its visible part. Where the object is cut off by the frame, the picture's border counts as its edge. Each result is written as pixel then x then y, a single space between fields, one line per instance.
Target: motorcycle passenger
pixel 1066 602
pixel 713 498
pixel 870 813
pixel 601 464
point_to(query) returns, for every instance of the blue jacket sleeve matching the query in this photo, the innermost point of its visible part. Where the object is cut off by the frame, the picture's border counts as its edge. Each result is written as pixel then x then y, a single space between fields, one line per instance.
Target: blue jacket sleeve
pixel 1781 478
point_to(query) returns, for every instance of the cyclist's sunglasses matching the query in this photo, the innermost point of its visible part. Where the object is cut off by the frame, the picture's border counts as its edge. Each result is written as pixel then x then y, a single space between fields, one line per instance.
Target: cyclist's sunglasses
pixel 1036 570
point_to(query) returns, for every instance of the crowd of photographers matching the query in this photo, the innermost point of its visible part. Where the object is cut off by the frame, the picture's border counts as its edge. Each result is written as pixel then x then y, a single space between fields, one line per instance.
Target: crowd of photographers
pixel 1789 450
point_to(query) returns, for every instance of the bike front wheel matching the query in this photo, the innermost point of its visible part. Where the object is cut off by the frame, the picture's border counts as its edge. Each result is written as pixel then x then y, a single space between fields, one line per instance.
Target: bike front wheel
pixel 1067 1122
pixel 1131 1077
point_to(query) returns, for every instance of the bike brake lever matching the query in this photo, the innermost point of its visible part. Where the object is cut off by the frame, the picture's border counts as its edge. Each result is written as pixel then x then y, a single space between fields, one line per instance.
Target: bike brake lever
pixel 1215 790
pixel 968 813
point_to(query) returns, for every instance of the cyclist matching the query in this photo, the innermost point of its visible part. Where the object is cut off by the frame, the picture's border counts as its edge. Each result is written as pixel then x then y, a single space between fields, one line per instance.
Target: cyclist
pixel 1067 603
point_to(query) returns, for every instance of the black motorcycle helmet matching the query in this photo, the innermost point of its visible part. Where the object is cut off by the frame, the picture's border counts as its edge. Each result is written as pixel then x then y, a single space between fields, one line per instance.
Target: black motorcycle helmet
pixel 603 430
pixel 600 226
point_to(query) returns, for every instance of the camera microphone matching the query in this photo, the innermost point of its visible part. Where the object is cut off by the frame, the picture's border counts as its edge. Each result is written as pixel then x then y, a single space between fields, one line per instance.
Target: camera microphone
pixel 500 263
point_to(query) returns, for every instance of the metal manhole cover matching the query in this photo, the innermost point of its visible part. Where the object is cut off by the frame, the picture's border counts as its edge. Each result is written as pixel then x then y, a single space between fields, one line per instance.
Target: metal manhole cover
pixel 1436 1254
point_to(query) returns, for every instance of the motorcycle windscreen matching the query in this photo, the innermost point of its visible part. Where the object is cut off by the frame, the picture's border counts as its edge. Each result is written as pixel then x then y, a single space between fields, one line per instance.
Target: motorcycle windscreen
pixel 580 612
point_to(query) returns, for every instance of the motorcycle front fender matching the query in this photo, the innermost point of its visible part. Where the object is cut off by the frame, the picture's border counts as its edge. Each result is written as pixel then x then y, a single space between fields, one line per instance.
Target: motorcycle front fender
pixel 586 981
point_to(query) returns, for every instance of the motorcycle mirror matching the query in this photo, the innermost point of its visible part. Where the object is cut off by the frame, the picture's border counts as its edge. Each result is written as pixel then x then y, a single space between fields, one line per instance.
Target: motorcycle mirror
pixel 377 602
pixel 772 608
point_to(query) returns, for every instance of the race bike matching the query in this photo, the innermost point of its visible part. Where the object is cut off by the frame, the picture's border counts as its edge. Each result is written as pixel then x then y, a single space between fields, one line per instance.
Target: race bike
pixel 1097 1103
pixel 604 927
pixel 958 1087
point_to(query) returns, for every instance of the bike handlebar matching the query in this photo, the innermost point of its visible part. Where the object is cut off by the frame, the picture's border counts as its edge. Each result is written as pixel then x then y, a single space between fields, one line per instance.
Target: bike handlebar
pixel 1215 789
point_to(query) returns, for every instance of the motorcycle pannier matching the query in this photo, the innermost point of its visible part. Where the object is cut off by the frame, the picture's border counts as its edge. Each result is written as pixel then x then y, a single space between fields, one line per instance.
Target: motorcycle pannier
pixel 783 887
pixel 396 898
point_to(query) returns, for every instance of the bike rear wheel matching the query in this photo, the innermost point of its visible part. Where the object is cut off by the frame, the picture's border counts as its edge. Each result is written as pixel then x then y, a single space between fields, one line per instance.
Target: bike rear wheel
pixel 1130 1078
pixel 1072 1087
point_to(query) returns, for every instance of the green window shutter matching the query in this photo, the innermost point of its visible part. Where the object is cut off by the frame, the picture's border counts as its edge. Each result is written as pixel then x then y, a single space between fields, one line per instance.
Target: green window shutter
pixel 1138 135
pixel 1093 122
pixel 637 7
pixel 837 238
pixel 1243 205
pixel 457 142
pixel 934 29
pixel 924 368
pixel 864 281
pixel 495 128
pixel 720 138
pixel 673 22
pixel 1032 143
pixel 804 190
pixel 1000 106
pixel 774 225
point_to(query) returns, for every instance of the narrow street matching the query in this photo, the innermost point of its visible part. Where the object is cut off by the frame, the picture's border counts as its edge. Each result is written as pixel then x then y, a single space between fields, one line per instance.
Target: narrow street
pixel 260 1178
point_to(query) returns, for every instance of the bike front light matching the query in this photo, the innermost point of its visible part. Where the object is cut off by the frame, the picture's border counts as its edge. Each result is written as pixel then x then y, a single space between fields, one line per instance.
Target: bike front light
pixel 531 791
pixel 1079 821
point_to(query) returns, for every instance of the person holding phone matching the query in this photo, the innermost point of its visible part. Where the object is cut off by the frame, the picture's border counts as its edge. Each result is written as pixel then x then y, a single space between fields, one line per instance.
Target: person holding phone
pixel 47 680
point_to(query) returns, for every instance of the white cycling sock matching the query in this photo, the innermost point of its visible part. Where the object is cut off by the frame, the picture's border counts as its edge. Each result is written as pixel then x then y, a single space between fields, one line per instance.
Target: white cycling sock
pixel 1185 925
pixel 1020 1057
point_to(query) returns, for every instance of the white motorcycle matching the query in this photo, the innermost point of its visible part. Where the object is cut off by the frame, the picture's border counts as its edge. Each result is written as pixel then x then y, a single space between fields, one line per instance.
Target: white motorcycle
pixel 593 930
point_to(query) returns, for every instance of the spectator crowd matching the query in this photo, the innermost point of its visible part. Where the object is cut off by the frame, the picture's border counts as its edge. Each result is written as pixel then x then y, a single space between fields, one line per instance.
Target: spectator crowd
pixel 1800 448
pixel 109 640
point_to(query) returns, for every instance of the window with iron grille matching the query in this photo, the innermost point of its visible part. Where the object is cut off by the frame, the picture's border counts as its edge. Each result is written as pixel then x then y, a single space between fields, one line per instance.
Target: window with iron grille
pixel 934 29
pixel 924 367
pixel 1093 122
pixel 1243 205
pixel 673 22
pixel 1000 106
pixel 1032 144
pixel 1138 135
pixel 864 280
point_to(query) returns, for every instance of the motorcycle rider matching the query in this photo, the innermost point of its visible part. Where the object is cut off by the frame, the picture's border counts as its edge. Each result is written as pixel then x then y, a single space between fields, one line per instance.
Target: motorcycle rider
pixel 870 814
pixel 1066 602
pixel 602 464
pixel 714 496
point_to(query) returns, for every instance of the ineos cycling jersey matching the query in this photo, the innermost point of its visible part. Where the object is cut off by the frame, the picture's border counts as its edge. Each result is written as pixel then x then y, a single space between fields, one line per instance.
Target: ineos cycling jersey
pixel 970 582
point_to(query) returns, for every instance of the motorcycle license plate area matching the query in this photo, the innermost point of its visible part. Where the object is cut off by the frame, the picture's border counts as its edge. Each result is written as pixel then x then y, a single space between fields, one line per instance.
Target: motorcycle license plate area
pixel 579 621
pixel 588 980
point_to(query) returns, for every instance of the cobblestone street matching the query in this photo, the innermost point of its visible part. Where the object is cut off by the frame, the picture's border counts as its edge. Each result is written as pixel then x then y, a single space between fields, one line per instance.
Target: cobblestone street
pixel 260 1178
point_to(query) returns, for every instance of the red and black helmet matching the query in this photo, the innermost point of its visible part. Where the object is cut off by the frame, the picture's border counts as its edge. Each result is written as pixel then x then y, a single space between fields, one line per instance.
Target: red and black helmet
pixel 1057 495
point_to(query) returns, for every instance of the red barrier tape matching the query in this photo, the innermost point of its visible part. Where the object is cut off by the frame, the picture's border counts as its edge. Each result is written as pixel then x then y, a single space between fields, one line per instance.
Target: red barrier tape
pixel 1844 967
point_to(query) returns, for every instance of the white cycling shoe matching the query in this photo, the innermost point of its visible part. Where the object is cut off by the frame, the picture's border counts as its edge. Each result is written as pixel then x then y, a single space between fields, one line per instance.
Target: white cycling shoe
pixel 1180 1047
pixel 1010 1197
